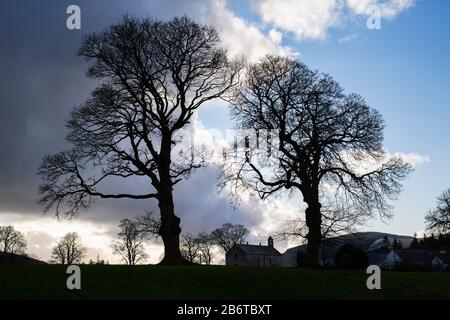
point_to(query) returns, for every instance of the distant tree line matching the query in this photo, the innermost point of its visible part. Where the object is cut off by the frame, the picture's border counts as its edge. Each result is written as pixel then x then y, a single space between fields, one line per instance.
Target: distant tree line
pixel 195 248
pixel 432 241
pixel 12 241
pixel 437 235
pixel 69 250
pixel 130 243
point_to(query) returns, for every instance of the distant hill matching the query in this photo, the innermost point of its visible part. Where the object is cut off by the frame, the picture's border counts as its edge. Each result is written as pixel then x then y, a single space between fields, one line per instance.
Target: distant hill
pixel 366 241
pixel 10 258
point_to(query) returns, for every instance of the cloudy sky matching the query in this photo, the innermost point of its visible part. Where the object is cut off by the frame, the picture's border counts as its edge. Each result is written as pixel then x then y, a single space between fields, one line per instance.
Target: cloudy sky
pixel 401 69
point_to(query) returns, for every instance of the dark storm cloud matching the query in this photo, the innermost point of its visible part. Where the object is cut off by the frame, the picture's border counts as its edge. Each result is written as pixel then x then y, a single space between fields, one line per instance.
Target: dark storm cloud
pixel 197 202
pixel 42 79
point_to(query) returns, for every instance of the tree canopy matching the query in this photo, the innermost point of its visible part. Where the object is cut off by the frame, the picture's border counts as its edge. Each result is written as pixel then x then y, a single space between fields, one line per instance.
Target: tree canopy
pixel 153 76
pixel 439 217
pixel 321 142
pixel 12 241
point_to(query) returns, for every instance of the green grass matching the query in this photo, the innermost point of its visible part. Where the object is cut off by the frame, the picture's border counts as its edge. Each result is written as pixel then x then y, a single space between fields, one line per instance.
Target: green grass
pixel 214 282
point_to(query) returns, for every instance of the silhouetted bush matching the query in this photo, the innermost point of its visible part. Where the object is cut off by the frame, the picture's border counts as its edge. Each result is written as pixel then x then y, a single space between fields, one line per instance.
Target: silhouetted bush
pixel 302 259
pixel 348 257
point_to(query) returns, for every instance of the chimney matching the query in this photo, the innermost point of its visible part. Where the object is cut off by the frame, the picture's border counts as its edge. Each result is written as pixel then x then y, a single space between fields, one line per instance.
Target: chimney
pixel 270 242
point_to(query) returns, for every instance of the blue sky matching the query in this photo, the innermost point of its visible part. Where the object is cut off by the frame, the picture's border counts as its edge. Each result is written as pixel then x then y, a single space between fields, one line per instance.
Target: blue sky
pixel 402 70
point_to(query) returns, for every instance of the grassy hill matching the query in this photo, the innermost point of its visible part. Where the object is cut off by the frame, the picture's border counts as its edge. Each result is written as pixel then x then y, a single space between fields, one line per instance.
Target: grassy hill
pixel 214 282
pixel 11 258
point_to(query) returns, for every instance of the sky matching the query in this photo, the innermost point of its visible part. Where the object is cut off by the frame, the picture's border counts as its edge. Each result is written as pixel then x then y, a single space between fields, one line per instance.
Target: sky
pixel 402 69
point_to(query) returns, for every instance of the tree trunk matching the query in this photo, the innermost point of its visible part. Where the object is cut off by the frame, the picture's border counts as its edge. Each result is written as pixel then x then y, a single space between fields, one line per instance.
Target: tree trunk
pixel 170 224
pixel 170 234
pixel 314 224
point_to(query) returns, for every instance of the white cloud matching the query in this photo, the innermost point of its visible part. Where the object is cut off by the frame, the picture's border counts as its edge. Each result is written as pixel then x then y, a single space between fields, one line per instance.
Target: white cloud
pixel 304 18
pixel 388 9
pixel 368 165
pixel 241 37
pixel 312 19
pixel 348 38
pixel 413 159
pixel 275 35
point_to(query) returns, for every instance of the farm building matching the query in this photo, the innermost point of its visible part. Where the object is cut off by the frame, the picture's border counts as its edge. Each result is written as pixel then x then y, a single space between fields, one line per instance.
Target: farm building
pixel 253 255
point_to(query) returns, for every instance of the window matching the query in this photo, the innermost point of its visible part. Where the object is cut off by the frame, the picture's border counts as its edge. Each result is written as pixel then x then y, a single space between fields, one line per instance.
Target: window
pixel 235 256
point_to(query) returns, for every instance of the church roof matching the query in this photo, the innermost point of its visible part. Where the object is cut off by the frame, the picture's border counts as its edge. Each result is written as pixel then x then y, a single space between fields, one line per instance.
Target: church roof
pixel 258 250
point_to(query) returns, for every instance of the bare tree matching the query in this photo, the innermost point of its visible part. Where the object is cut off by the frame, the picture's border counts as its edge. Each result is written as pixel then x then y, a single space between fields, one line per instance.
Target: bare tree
pixel 190 248
pixel 149 224
pixel 337 219
pixel 59 254
pixel 197 248
pixel 228 235
pixel 12 241
pixel 439 218
pixel 69 250
pixel 205 243
pixel 130 247
pixel 154 76
pixel 324 139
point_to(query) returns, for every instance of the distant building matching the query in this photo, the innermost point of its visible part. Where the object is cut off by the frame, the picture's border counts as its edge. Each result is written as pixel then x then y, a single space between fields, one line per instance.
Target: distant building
pixel 253 255
pixel 384 259
pixel 441 261
pixel 425 259
pixel 388 251
pixel 365 241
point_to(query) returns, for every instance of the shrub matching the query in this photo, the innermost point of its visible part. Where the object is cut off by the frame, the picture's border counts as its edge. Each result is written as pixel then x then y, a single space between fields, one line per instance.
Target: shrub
pixel 348 257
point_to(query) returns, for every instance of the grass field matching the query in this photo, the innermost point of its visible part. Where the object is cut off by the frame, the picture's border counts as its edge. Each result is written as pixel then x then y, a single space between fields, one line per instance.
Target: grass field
pixel 214 282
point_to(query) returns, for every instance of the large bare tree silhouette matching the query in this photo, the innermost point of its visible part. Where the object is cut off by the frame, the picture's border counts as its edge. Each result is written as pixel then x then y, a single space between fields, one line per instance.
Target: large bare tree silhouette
pixel 154 75
pixel 324 137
